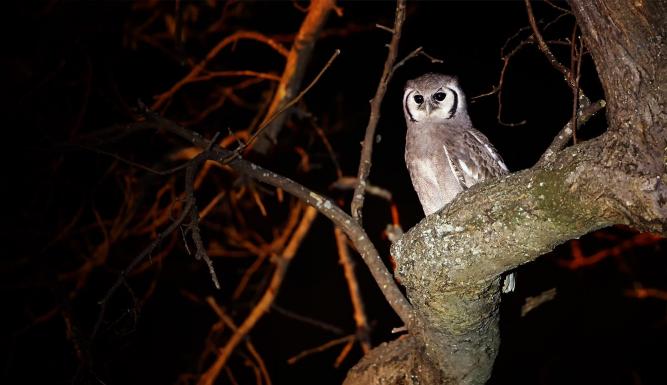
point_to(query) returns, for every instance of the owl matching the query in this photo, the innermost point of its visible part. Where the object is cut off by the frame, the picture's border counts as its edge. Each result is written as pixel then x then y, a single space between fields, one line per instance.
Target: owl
pixel 444 153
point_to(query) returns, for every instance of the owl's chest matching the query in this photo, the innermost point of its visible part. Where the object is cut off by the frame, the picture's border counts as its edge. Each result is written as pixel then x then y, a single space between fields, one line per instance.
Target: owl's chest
pixel 429 144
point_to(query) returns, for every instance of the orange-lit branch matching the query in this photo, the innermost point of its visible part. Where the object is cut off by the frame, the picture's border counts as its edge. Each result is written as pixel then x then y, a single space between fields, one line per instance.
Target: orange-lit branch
pixel 251 348
pixel 295 67
pixel 647 293
pixel 579 260
pixel 193 75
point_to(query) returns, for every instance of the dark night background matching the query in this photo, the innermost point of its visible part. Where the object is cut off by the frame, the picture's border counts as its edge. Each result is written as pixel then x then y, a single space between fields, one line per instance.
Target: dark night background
pixel 74 68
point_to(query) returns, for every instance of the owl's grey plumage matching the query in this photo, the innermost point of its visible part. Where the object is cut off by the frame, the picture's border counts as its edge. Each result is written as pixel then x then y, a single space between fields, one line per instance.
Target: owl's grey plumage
pixel 444 153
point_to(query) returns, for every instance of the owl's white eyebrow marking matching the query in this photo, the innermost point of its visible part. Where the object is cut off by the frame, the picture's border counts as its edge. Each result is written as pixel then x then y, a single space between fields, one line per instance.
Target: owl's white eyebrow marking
pixel 405 105
pixel 455 103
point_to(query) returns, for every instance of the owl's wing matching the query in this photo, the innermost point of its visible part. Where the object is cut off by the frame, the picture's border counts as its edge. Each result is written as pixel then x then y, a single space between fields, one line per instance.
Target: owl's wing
pixel 478 159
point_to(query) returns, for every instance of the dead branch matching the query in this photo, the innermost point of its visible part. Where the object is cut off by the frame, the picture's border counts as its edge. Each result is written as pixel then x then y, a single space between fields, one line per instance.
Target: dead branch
pixel 321 348
pixel 579 260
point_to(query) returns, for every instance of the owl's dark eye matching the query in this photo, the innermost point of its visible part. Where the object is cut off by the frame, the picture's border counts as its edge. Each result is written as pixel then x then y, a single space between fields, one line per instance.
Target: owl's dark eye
pixel 439 96
pixel 419 99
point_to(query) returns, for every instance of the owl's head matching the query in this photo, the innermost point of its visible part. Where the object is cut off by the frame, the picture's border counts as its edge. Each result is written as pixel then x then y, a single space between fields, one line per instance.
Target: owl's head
pixel 434 98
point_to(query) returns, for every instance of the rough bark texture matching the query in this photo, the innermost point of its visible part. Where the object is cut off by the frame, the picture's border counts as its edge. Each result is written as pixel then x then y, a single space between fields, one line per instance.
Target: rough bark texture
pixel 450 262
pixel 402 361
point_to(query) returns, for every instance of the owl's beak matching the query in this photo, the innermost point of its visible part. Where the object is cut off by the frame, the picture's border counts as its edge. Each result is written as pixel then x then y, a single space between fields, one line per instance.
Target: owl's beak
pixel 429 108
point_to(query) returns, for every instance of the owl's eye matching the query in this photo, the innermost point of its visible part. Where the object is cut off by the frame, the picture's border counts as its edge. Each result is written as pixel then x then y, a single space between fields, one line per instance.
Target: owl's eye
pixel 419 99
pixel 439 96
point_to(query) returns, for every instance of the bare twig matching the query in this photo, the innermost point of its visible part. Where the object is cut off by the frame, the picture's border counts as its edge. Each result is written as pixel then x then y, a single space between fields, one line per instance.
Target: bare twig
pixel 419 51
pixel 350 183
pixel 532 303
pixel 642 293
pixel 208 75
pixel 564 10
pixel 307 320
pixel 276 245
pixel 189 206
pixel 579 260
pixel 576 57
pixel 374 116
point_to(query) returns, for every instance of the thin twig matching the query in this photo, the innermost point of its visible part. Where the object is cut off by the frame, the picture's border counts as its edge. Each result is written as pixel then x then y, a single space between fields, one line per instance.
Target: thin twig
pixel 307 320
pixel 190 204
pixel 374 116
pixel 576 59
